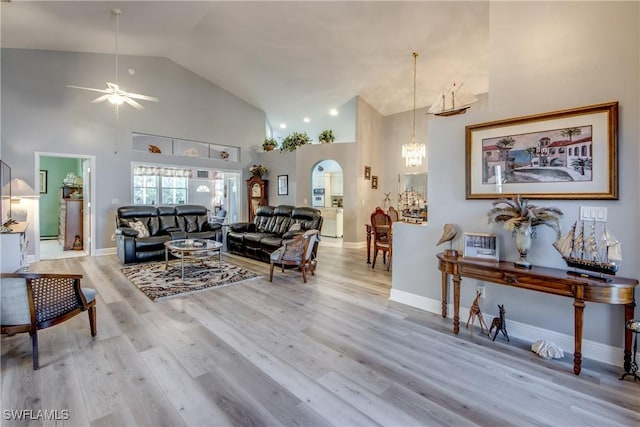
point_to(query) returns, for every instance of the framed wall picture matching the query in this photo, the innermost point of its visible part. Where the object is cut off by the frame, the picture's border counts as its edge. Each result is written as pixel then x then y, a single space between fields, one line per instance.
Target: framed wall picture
pixel 283 185
pixel 481 245
pixel 374 182
pixel 367 172
pixel 568 154
pixel 43 182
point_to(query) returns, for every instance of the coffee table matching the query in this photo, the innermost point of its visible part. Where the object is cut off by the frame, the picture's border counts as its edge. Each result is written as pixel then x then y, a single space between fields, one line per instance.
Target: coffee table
pixel 193 249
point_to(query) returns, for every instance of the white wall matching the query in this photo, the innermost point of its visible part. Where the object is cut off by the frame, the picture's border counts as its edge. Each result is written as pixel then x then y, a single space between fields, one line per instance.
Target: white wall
pixel 40 114
pixel 544 57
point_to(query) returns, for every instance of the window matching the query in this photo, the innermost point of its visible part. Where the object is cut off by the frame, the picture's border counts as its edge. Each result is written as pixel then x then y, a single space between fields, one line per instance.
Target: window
pixel 145 190
pixel 173 190
pixel 175 185
pixel 160 185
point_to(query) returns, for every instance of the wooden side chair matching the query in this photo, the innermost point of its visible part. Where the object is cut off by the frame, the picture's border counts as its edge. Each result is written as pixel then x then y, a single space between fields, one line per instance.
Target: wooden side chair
pixel 296 252
pixel 381 227
pixel 30 302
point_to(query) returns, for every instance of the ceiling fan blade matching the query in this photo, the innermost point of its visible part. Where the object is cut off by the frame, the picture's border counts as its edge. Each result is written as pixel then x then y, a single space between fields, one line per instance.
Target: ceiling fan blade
pixel 89 88
pixel 101 99
pixel 133 103
pixel 143 97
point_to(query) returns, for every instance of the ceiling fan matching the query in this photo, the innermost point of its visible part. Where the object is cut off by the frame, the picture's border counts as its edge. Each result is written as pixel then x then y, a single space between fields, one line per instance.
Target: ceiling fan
pixel 113 92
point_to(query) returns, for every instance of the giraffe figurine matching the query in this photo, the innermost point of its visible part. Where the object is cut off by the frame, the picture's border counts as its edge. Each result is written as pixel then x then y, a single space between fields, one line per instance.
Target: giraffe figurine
pixel 500 324
pixel 474 312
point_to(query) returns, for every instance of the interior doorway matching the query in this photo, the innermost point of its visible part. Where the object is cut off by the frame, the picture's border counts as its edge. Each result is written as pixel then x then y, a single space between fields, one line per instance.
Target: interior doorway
pixel 327 191
pixel 64 222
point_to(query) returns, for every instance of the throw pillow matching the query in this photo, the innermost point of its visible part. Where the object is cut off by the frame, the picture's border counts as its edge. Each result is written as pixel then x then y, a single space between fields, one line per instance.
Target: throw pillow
pixel 140 228
pixel 295 227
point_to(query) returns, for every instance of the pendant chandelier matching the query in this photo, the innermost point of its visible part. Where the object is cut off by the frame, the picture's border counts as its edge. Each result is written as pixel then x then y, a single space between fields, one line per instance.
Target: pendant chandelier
pixel 413 153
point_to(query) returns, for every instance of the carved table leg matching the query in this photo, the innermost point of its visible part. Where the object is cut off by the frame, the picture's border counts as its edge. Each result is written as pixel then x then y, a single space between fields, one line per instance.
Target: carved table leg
pixel 628 315
pixel 577 353
pixel 445 291
pixel 456 303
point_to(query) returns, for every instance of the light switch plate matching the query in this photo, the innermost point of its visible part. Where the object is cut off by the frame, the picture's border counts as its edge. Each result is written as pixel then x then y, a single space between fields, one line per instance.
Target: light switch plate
pixel 593 213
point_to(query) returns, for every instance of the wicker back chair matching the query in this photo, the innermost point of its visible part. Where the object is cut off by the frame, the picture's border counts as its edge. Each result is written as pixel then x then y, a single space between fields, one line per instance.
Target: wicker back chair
pixel 30 302
pixel 381 225
pixel 296 252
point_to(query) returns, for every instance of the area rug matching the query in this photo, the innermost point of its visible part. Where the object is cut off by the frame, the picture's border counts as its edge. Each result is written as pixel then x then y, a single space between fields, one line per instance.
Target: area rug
pixel 159 283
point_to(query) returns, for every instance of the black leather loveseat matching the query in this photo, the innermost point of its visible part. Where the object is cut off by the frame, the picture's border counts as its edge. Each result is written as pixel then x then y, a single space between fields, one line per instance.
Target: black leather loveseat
pixel 270 226
pixel 163 223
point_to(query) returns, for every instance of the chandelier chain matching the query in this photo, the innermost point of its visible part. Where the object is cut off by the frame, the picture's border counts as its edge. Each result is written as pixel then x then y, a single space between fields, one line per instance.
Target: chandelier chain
pixel 415 60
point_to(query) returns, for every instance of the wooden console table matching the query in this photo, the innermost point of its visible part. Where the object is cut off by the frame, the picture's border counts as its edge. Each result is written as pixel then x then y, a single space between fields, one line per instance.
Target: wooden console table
pixel 542 279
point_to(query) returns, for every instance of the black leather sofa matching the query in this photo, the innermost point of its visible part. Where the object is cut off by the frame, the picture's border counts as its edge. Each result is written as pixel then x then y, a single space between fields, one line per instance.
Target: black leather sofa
pixel 164 223
pixel 270 226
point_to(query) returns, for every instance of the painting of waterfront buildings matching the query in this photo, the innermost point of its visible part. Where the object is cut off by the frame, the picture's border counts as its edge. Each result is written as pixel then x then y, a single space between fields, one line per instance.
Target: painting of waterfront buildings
pixel 559 155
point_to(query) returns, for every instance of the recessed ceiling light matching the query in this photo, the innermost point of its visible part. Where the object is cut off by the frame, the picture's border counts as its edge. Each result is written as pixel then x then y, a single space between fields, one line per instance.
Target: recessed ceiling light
pixel 283 125
pixel 306 120
pixel 333 112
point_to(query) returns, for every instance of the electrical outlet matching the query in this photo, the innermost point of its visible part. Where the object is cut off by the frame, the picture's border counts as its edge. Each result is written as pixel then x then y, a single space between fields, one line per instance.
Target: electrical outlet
pixel 481 289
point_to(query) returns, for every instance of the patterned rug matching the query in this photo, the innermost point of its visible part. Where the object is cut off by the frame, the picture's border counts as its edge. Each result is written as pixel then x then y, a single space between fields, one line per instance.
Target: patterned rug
pixel 158 284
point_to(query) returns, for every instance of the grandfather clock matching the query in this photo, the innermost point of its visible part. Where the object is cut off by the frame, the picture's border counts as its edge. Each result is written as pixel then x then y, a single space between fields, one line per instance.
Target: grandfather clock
pixel 257 192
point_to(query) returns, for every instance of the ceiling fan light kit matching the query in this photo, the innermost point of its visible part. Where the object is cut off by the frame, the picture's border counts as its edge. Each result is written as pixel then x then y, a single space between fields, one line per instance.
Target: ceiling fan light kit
pixel 113 92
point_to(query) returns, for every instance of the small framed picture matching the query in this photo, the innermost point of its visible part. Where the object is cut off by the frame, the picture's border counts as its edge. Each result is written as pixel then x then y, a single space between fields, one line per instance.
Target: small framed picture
pixel 43 182
pixel 367 172
pixel 283 185
pixel 482 245
pixel 374 182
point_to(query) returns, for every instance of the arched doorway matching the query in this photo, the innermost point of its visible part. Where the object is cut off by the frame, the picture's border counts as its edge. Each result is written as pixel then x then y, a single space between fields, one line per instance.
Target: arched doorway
pixel 327 195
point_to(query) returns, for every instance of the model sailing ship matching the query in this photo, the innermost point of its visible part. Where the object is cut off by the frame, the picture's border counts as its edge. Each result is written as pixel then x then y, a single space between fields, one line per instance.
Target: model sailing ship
pixel 582 250
pixel 452 101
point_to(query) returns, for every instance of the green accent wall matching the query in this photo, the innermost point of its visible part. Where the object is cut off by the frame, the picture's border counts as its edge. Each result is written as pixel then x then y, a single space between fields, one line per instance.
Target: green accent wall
pixel 57 169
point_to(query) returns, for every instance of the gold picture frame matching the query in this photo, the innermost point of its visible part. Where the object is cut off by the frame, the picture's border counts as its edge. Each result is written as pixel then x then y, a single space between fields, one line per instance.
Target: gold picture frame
pixel 567 154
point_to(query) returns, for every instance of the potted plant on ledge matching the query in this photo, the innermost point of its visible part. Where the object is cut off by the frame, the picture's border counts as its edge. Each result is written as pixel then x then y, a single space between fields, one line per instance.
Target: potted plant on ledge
pixel 269 144
pixel 258 170
pixel 295 140
pixel 326 137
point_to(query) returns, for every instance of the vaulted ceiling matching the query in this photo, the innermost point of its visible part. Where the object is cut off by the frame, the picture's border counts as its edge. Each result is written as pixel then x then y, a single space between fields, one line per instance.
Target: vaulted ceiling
pixel 290 59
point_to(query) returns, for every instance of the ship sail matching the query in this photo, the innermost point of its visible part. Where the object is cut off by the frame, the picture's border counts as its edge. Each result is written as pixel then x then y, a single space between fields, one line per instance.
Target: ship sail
pixel 564 244
pixel 578 243
pixel 452 101
pixel 590 245
pixel 612 246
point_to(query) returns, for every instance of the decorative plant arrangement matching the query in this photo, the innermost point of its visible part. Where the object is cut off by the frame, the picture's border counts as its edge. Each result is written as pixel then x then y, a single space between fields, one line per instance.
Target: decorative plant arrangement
pixel 521 218
pixel 258 170
pixel 295 140
pixel 269 144
pixel 326 137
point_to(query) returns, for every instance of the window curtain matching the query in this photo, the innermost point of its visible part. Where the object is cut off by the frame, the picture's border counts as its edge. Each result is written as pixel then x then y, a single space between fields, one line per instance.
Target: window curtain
pixel 161 171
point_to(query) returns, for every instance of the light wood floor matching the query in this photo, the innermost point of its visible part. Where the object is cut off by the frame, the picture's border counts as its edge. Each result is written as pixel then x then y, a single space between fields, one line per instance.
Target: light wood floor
pixel 333 351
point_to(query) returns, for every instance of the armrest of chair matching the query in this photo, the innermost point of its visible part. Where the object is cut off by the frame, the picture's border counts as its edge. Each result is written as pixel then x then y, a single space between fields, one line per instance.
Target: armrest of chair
pixel 211 226
pixel 242 227
pixel 126 231
pixel 292 234
pixel 176 233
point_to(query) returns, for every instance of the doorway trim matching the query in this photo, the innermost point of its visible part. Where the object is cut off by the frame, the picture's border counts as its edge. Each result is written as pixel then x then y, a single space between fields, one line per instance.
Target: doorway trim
pixel 91 201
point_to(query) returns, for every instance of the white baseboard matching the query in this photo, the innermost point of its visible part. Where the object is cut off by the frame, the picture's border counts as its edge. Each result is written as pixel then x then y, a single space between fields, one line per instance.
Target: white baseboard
pixel 105 251
pixel 354 245
pixel 590 349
